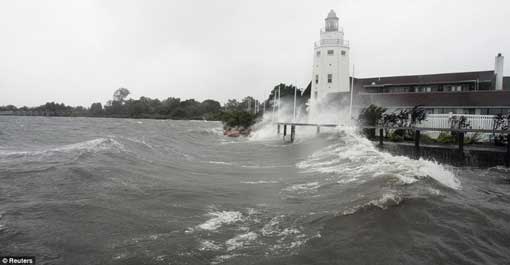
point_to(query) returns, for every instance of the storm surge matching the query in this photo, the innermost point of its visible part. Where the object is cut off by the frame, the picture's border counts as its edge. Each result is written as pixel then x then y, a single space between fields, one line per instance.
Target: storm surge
pixel 86 191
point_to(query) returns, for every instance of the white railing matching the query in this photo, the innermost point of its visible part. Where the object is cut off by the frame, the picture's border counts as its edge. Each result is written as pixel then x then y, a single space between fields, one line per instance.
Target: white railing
pixel 334 42
pixel 339 29
pixel 442 121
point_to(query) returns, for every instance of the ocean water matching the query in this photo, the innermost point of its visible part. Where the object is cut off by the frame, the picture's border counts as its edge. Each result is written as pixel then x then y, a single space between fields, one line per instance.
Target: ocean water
pixel 123 191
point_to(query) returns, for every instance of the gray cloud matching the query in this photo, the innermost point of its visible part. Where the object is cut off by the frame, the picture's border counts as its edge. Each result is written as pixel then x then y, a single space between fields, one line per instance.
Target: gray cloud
pixel 79 52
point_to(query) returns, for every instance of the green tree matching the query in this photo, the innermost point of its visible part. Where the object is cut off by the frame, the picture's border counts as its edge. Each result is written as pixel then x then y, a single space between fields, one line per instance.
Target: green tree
pixel 238 119
pixel 210 106
pixel 168 106
pixel 120 94
pixel 96 109
pixel 371 116
pixel 233 105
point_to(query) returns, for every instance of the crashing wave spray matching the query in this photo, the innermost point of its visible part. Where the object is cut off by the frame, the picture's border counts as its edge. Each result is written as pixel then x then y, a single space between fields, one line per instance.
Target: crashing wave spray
pixel 320 111
pixel 355 159
pixel 354 155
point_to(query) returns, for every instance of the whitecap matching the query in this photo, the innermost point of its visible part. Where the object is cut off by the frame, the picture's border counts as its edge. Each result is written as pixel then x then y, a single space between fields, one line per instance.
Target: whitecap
pixel 241 240
pixel 304 187
pixel 209 245
pixel 221 218
pixel 355 158
pixel 385 201
pixel 219 163
pixel 260 182
pixel 222 258
pixel 95 145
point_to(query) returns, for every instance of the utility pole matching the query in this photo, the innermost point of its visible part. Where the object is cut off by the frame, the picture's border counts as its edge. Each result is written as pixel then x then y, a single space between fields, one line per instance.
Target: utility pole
pixel 274 102
pixel 295 96
pixel 352 92
pixel 279 97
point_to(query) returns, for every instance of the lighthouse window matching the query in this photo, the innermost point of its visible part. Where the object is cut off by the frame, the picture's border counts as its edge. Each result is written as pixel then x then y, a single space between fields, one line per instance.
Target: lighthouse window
pixel 330 78
pixel 318 53
pixel 316 79
pixel 343 52
pixel 330 52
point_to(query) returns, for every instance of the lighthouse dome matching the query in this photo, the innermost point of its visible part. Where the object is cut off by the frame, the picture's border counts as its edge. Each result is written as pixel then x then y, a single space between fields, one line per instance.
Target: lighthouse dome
pixel 332 14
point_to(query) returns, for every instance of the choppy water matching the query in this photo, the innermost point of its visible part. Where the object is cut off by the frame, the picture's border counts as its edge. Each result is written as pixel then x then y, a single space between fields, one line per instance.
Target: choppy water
pixel 120 191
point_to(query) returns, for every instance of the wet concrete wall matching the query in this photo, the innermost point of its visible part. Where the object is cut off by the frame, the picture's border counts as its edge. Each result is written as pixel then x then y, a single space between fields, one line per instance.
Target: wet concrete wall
pixel 476 157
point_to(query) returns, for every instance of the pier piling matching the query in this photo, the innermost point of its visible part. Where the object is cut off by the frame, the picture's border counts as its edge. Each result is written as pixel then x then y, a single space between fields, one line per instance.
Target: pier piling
pixel 461 142
pixel 381 137
pixel 507 160
pixel 292 133
pixel 417 143
pixel 284 131
pixel 278 128
pixel 318 129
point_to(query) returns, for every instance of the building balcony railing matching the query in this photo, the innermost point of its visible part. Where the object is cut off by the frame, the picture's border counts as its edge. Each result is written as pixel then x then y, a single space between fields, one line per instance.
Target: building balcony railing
pixel 340 29
pixel 331 42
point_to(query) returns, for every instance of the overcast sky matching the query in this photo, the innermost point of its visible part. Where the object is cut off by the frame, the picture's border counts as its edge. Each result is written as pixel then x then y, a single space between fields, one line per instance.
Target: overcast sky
pixel 79 52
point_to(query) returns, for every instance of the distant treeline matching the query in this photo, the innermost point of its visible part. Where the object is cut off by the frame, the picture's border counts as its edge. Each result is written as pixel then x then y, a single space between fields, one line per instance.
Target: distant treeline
pixel 145 107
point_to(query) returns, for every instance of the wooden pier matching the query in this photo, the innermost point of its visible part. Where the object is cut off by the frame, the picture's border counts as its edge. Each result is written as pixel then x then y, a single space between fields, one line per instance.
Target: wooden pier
pixel 293 126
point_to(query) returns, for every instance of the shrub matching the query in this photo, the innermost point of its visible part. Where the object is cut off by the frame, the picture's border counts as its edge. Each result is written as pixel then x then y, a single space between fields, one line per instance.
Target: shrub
pixel 238 119
pixel 395 136
pixel 370 116
pixel 475 138
pixel 445 138
pixel 427 139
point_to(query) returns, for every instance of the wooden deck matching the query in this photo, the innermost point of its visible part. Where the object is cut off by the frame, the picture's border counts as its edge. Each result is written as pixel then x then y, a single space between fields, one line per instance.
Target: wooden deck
pixel 308 124
pixel 293 126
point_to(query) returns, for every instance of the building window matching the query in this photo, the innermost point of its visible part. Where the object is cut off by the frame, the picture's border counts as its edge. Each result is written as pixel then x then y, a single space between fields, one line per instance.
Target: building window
pixel 447 111
pixel 343 52
pixel 316 79
pixel 330 78
pixel 423 89
pixel 469 111
pixel 318 53
pixel 453 88
pixel 450 110
pixel 468 87
pixel 398 89
pixel 496 111
pixel 330 52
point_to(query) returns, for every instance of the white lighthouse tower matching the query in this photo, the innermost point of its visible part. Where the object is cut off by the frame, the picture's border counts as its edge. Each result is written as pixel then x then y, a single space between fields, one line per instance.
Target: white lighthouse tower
pixel 330 63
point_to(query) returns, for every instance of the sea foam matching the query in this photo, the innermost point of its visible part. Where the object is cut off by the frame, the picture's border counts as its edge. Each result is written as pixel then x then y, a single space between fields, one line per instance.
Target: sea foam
pixel 356 158
pixel 95 145
pixel 220 218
